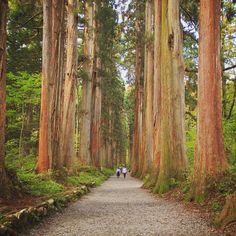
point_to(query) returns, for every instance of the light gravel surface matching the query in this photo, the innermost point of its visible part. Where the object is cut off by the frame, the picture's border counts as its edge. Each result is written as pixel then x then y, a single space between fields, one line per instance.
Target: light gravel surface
pixel 121 207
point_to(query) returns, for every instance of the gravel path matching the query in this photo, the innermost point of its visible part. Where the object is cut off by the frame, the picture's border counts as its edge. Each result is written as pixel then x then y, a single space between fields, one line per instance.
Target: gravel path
pixel 121 207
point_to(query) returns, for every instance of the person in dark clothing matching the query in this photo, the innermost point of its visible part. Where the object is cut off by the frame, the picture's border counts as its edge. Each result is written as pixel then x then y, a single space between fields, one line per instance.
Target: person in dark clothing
pixel 118 172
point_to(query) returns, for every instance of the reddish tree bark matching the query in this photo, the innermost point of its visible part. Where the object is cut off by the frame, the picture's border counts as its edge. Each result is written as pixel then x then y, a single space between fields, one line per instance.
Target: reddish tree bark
pixel 96 118
pixel 52 86
pixel 172 136
pixel 4 181
pixel 137 111
pixel 148 88
pixel 157 87
pixel 69 98
pixel 209 154
pixel 87 85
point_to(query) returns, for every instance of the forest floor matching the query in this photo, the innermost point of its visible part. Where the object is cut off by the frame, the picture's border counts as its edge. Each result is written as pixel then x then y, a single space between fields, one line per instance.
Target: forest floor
pixel 122 207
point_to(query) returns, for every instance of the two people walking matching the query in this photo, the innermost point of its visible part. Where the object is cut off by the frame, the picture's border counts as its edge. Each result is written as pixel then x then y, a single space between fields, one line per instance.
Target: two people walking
pixel 121 170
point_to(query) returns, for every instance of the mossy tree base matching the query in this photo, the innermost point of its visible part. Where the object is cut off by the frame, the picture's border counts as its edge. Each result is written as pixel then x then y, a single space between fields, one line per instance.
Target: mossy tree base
pixel 162 185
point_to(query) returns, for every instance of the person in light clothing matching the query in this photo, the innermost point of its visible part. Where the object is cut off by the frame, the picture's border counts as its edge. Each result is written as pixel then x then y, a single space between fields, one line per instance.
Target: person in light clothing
pixel 124 171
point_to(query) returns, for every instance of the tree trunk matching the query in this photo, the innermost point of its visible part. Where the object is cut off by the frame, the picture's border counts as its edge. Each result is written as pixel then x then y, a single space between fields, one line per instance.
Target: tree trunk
pixel 172 135
pixel 96 120
pixel 109 140
pixel 4 182
pixel 148 86
pixel 69 105
pixel 53 76
pixel 209 154
pixel 87 85
pixel 136 136
pixel 97 100
pixel 141 133
pixel 157 88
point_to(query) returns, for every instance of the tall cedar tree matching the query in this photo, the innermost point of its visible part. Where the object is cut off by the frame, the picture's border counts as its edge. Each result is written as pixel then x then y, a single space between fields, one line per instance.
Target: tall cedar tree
pixel 87 83
pixel 69 96
pixel 148 90
pixel 137 131
pixel 52 85
pixel 157 87
pixel 209 154
pixel 172 135
pixel 97 97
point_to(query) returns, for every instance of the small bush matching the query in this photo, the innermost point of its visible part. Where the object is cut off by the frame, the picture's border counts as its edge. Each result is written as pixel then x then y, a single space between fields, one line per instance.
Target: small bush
pixel 190 144
pixel 89 175
pixel 37 186
pixel 224 184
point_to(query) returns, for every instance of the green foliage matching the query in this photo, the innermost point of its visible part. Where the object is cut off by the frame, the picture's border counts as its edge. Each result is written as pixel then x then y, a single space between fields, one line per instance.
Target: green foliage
pixel 36 185
pixel 216 206
pixel 114 122
pixel 225 184
pixel 107 172
pixel 23 88
pixel 46 184
pixel 31 182
pixel 24 164
pixel 1 217
pixel 129 109
pixel 230 127
pixel 230 139
pixel 25 20
pixel 23 109
pixel 83 75
pixel 190 144
pixel 89 176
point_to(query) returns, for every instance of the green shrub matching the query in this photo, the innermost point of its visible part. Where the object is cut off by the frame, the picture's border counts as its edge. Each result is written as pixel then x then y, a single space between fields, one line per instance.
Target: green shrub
pixel 107 172
pixel 230 140
pixel 36 184
pixel 190 144
pixel 50 183
pixel 89 175
pixel 21 164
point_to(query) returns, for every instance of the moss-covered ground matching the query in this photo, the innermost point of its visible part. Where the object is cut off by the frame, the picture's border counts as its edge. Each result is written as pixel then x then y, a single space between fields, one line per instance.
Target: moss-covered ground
pixel 33 188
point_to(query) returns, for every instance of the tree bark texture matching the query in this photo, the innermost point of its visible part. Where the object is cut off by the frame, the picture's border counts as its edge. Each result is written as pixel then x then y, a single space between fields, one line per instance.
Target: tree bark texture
pixel 148 87
pixel 172 135
pixel 52 86
pixel 96 117
pixel 209 154
pixel 97 98
pixel 69 97
pixel 142 133
pixel 4 182
pixel 137 111
pixel 87 84
pixel 157 87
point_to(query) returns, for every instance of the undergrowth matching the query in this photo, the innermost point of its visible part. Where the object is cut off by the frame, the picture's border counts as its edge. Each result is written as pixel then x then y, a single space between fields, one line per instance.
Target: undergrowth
pixel 48 183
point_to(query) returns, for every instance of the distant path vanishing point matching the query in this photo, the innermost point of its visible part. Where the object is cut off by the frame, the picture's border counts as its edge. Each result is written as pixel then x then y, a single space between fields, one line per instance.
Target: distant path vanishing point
pixel 120 207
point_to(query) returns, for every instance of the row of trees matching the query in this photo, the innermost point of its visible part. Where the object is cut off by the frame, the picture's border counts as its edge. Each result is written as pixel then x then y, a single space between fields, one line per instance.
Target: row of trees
pixel 102 90
pixel 82 94
pixel 159 149
pixel 84 115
